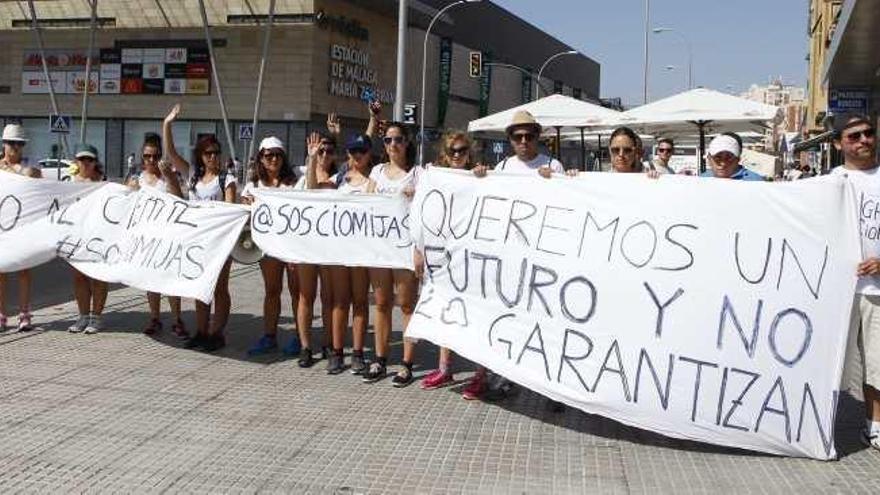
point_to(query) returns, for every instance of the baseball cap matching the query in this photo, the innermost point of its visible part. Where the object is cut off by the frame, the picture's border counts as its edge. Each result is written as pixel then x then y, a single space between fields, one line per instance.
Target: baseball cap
pixel 844 121
pixel 359 142
pixel 84 150
pixel 724 143
pixel 270 143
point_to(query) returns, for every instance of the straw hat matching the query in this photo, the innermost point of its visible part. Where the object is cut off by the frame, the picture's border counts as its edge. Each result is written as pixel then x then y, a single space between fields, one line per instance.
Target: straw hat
pixel 14 133
pixel 523 118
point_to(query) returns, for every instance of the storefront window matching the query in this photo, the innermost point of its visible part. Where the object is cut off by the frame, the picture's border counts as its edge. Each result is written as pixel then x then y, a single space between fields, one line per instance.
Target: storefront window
pixel 43 144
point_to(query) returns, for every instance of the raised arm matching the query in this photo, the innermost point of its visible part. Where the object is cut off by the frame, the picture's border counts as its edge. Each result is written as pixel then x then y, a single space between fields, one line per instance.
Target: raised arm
pixel 172 179
pixel 313 144
pixel 170 151
pixel 373 126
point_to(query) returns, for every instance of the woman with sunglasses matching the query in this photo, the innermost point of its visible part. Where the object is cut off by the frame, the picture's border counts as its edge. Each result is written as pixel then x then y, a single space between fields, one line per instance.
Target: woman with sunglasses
pixel 319 170
pixel 397 175
pixel 456 152
pixel 90 294
pixel 158 175
pixel 350 286
pixel 14 141
pixel 272 170
pixel 208 181
pixel 625 147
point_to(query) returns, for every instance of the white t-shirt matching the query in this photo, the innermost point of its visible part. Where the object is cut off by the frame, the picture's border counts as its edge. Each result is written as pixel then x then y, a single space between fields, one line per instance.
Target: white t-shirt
pixel 386 185
pixel 867 187
pixel 211 191
pixel 160 184
pixel 513 164
pixel 345 186
pixel 249 187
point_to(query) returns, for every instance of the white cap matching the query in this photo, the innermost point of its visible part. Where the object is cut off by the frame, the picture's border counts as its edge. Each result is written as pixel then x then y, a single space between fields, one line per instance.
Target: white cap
pixel 14 132
pixel 270 143
pixel 724 143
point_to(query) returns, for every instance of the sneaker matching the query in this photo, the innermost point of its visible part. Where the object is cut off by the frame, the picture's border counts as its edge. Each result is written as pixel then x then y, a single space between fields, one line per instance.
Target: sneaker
pixel 179 330
pixel 214 343
pixel 870 439
pixel 94 325
pixel 404 376
pixel 375 372
pixel 326 353
pixel 357 364
pixel 335 364
pixel 79 325
pixel 293 347
pixel 266 344
pixel 195 341
pixel 499 389
pixel 436 379
pixel 306 360
pixel 24 322
pixel 476 387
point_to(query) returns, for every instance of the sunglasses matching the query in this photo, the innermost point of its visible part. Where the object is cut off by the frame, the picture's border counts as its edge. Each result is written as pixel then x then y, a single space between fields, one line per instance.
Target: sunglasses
pixel 14 144
pixel 393 139
pixel 617 150
pixel 519 137
pixel 857 136
pixel 151 156
pixel 272 155
pixel 210 152
pixel 664 150
pixel 459 151
pixel 86 159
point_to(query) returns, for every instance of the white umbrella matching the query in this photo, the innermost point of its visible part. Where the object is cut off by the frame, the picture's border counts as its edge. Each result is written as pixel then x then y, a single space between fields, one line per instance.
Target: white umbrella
pixel 703 110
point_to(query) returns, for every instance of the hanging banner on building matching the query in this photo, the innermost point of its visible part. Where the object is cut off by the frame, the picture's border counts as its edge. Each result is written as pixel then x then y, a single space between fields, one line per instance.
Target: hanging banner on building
pixel 612 293
pixel 331 228
pixel 149 240
pixel 485 87
pixel 445 80
pixel 526 89
pixel 24 203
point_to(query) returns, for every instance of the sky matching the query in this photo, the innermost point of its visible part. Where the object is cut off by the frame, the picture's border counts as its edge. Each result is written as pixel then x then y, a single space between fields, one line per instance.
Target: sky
pixel 735 43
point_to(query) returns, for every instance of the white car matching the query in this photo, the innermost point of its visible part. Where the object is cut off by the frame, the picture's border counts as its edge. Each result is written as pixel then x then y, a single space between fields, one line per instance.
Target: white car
pixel 53 168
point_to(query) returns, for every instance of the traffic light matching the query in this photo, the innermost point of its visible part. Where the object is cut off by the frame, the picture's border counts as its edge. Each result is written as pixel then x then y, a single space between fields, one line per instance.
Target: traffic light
pixel 476 64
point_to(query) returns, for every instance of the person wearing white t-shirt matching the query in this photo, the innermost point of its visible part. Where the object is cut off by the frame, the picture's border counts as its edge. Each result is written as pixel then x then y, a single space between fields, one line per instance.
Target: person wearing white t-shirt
pixel 157 174
pixel 854 136
pixel 272 170
pixel 523 133
pixel 208 181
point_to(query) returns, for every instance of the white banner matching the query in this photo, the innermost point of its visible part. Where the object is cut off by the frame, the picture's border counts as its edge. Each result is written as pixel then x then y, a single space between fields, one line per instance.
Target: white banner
pixel 709 310
pixel 149 240
pixel 331 228
pixel 23 203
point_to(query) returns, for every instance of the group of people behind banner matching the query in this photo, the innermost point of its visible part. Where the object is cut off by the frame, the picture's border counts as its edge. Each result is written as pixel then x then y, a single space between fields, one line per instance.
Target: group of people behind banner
pixel 344 291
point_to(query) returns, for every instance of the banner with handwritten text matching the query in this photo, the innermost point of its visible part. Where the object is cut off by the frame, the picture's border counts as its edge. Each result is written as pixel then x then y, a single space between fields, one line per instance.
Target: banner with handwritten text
pixel 703 309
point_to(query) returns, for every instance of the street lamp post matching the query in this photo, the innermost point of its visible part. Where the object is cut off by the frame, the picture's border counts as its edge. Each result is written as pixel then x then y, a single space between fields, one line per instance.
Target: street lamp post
pixel 424 71
pixel 673 68
pixel 658 30
pixel 647 23
pixel 544 66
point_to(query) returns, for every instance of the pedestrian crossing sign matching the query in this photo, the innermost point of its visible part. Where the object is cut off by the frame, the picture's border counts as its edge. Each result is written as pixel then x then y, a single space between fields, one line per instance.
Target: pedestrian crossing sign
pixel 245 132
pixel 59 124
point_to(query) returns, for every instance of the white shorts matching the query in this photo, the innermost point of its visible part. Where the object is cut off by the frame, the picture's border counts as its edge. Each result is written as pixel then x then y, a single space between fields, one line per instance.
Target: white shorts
pixel 862 365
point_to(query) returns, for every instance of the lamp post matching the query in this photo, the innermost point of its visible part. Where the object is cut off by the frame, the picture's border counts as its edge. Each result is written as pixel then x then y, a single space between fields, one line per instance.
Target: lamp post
pixel 647 23
pixel 659 30
pixel 424 71
pixel 544 66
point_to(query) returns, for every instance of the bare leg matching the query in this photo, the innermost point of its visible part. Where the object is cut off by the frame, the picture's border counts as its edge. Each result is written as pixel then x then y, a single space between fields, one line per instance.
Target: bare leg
pixel 203 317
pixel 327 304
pixel 872 402
pixel 383 282
pixel 341 288
pixel 24 291
pixel 273 278
pixel 174 303
pixel 360 306
pixel 222 302
pixel 99 296
pixel 82 292
pixel 308 281
pixel 407 290
pixel 155 302
pixel 293 287
pixel 3 281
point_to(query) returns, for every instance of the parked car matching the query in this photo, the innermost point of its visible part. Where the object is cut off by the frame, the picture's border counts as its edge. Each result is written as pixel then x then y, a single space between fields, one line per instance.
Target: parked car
pixel 54 168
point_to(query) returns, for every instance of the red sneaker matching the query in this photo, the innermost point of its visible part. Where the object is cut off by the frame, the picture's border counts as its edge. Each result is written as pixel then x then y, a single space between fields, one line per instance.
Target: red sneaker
pixel 475 388
pixel 436 379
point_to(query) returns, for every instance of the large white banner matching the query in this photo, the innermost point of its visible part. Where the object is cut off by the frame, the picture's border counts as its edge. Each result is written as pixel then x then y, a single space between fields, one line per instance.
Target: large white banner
pixel 149 240
pixel 327 227
pixel 24 202
pixel 703 309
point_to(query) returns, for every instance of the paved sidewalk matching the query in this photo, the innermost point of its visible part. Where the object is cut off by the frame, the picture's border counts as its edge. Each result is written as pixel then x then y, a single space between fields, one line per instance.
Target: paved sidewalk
pixel 122 412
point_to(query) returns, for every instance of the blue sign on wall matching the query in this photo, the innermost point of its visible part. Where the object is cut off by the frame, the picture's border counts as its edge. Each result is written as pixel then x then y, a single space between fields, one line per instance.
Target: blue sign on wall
pixel 844 100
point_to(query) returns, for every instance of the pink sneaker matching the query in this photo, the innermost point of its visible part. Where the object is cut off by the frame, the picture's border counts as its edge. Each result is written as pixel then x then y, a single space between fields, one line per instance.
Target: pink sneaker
pixel 475 388
pixel 436 379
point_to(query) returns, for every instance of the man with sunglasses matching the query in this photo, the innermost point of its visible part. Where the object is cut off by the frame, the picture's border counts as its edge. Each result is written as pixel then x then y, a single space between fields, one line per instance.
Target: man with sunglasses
pixel 854 137
pixel 523 133
pixel 724 157
pixel 660 164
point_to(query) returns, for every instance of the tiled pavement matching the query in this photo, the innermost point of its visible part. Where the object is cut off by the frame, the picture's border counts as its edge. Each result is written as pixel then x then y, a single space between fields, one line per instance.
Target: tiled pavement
pixel 121 412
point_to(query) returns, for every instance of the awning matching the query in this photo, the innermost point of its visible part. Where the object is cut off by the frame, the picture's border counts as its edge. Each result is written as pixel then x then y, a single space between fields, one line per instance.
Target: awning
pixel 853 58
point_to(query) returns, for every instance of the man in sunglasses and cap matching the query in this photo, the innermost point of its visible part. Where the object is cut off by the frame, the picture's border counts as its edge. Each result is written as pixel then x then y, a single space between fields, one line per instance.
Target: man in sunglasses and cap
pixel 523 133
pixel 14 141
pixel 724 157
pixel 855 137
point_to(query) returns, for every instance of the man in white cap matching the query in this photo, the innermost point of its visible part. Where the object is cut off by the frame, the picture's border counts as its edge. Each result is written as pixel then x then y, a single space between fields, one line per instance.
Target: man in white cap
pixel 14 140
pixel 724 156
pixel 523 133
pixel 855 137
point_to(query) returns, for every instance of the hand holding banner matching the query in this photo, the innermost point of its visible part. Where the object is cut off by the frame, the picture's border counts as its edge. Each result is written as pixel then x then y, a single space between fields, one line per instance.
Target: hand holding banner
pixel 709 310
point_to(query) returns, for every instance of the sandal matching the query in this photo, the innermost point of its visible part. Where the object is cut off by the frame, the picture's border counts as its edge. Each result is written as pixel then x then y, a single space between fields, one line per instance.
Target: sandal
pixel 153 327
pixel 24 322
pixel 179 329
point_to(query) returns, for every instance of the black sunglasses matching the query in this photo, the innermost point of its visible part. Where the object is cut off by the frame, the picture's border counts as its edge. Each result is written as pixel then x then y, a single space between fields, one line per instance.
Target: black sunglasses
pixel 856 136
pixel 459 151
pixel 519 137
pixel 393 139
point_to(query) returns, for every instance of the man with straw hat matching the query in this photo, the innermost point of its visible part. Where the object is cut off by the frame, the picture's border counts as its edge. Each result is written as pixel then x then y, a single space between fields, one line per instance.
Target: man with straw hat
pixel 523 133
pixel 14 141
